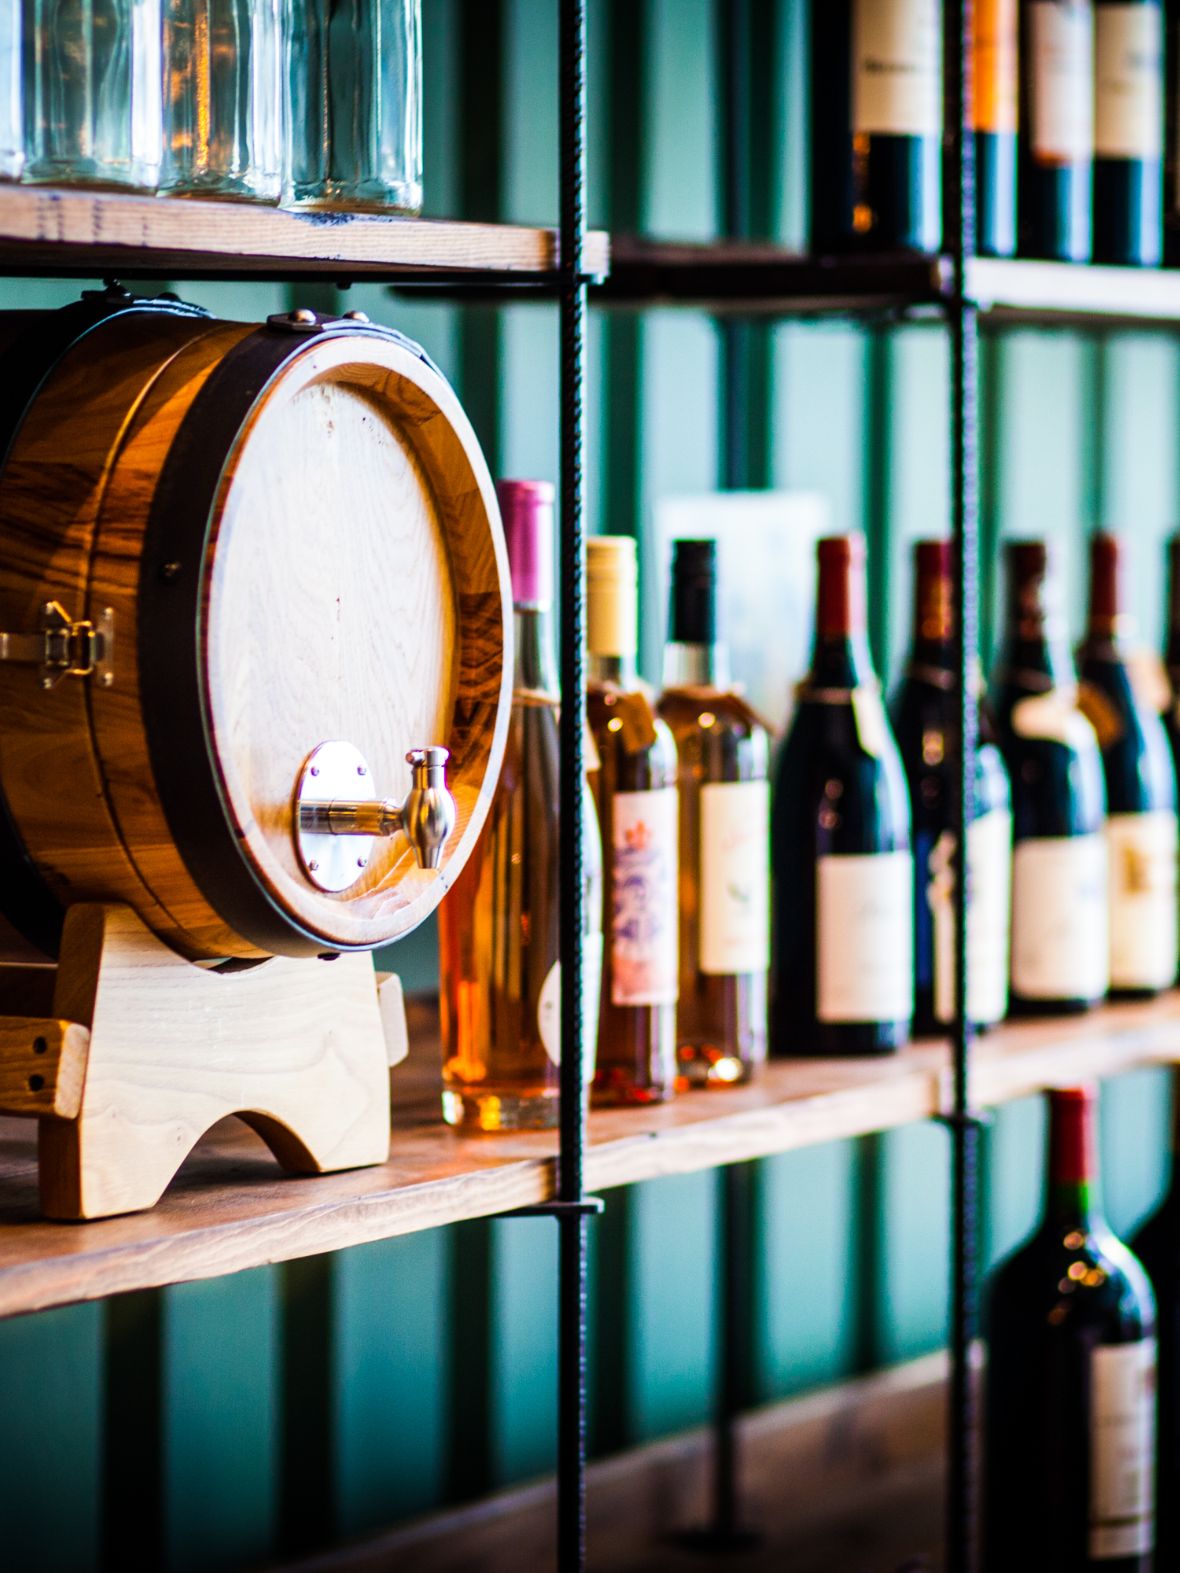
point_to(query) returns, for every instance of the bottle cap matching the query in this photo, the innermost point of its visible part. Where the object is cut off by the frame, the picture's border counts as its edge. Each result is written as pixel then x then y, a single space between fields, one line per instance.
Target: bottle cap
pixel 693 613
pixel 1107 558
pixel 527 509
pixel 933 576
pixel 1071 1134
pixel 612 595
pixel 840 603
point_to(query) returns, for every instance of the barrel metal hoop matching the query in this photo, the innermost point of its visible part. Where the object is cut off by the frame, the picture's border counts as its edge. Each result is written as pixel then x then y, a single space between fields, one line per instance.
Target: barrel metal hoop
pixel 172 672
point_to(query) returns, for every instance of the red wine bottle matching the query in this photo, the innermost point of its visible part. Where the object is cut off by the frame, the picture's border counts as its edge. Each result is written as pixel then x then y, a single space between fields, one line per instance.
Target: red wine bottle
pixel 996 94
pixel 923 719
pixel 1157 1245
pixel 840 836
pixel 876 125
pixel 1128 131
pixel 1071 1405
pixel 1141 833
pixel 1060 949
pixel 1056 129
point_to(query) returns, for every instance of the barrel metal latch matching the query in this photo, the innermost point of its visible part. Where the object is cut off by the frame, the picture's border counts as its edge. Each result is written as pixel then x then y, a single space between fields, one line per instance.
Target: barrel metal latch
pixel 62 647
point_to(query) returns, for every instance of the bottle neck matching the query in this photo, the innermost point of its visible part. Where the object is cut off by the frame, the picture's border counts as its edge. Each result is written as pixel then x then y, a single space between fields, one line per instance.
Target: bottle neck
pixel 536 661
pixel 614 671
pixel 1074 1199
pixel 840 655
pixel 696 665
pixel 934 634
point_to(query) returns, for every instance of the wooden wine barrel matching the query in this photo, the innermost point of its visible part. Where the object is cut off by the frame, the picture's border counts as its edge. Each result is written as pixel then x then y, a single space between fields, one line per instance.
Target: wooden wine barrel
pixel 280 536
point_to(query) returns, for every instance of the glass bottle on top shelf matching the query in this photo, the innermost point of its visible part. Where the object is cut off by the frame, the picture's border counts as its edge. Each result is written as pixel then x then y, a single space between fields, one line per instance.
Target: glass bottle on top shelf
pixel 876 127
pixel 1128 131
pixel 1071 1404
pixel 1060 944
pixel 1172 133
pixel 995 99
pixel 500 978
pixel 12 127
pixel 841 865
pixel 354 85
pixel 923 719
pixel 1056 129
pixel 723 752
pixel 92 106
pixel 634 783
pixel 223 99
pixel 1141 835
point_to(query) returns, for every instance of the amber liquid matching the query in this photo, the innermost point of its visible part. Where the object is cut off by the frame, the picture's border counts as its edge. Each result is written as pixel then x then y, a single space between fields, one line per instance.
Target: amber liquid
pixel 721 1017
pixel 636 1043
pixel 498 927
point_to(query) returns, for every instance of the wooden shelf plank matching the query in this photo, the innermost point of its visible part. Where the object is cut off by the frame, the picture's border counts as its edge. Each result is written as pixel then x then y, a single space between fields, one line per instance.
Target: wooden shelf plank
pixel 70 232
pixel 753 278
pixel 231 1208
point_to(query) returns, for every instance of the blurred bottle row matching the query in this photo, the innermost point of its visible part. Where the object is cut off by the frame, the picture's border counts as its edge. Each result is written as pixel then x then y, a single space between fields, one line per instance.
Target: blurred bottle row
pixel 309 102
pixel 689 866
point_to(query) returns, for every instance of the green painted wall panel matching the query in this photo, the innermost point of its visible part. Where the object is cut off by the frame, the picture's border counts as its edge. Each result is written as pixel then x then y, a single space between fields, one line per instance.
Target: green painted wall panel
pixel 680 100
pixel 818 422
pixel 523 1348
pixel 390 1381
pixel 219 1440
pixel 51 1416
pixel 913 1243
pixel 810 1259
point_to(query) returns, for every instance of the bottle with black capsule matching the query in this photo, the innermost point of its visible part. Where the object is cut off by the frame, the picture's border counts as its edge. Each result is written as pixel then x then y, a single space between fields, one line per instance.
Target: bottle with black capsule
pixel 1060 948
pixel 1056 166
pixel 1128 132
pixel 924 719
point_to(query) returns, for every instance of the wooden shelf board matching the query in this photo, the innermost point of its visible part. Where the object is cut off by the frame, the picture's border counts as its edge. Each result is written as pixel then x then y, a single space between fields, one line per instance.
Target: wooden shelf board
pixel 753 278
pixel 231 1208
pixel 68 232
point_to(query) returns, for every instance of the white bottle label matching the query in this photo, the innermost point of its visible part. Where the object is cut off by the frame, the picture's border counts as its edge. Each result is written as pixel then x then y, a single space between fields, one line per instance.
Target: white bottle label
pixel 1059 925
pixel 1141 853
pixel 1128 81
pixel 735 877
pixel 1062 38
pixel 989 890
pixel 645 917
pixel 865 939
pixel 1122 1449
pixel 897 68
pixel 549 1006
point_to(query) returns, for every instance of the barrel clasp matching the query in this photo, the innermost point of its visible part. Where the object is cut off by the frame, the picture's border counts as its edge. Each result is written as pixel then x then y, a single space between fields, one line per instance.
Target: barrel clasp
pixel 62 647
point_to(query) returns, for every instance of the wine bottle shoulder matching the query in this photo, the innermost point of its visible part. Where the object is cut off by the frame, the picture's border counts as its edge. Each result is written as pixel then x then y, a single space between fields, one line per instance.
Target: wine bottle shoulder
pixel 636 749
pixel 716 735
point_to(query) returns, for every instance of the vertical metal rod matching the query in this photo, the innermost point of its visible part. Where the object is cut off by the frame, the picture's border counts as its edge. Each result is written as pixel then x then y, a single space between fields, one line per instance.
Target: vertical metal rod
pixel 572 1269
pixel 734 44
pixel 963 1473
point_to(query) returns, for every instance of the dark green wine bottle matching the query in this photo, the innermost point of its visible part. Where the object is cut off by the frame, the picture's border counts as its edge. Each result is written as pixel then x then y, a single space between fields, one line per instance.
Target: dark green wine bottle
pixel 996 80
pixel 1128 132
pixel 1056 129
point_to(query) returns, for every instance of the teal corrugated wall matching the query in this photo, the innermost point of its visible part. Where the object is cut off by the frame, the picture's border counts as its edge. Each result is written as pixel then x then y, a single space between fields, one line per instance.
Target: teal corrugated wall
pixel 219 1425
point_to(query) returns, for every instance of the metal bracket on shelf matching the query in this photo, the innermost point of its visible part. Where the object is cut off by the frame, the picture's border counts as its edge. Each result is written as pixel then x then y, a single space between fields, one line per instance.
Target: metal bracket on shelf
pixel 979 1120
pixel 591 1207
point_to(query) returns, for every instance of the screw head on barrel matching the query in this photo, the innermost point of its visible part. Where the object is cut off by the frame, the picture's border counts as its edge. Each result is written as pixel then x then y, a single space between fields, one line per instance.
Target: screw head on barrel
pixel 303 317
pixel 356 316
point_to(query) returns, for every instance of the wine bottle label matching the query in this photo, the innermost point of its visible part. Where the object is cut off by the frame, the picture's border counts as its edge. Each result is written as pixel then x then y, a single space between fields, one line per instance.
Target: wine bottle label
pixel 897 68
pixel 1141 854
pixel 645 913
pixel 549 1006
pixel 1059 924
pixel 994 70
pixel 1122 1449
pixel 1128 81
pixel 1061 33
pixel 989 880
pixel 864 942
pixel 870 720
pixel 735 877
pixel 1054 718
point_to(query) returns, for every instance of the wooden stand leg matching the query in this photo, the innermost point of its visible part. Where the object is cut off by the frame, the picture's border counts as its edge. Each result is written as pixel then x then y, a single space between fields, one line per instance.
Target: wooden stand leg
pixel 294 1047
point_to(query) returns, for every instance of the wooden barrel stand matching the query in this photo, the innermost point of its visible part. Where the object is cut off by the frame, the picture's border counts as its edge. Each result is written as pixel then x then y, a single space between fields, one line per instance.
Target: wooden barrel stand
pixel 127 1054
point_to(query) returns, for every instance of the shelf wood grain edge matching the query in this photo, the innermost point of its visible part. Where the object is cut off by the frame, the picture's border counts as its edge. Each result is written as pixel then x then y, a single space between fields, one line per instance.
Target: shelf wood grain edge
pixel 76 230
pixel 231 1208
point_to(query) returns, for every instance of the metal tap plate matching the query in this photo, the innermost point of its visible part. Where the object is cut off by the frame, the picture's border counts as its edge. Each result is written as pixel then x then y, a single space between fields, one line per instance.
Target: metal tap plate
pixel 330 772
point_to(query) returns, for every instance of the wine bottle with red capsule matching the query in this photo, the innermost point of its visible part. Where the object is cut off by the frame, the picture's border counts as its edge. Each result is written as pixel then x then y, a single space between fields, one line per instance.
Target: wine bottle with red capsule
pixel 842 872
pixel 1071 1380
